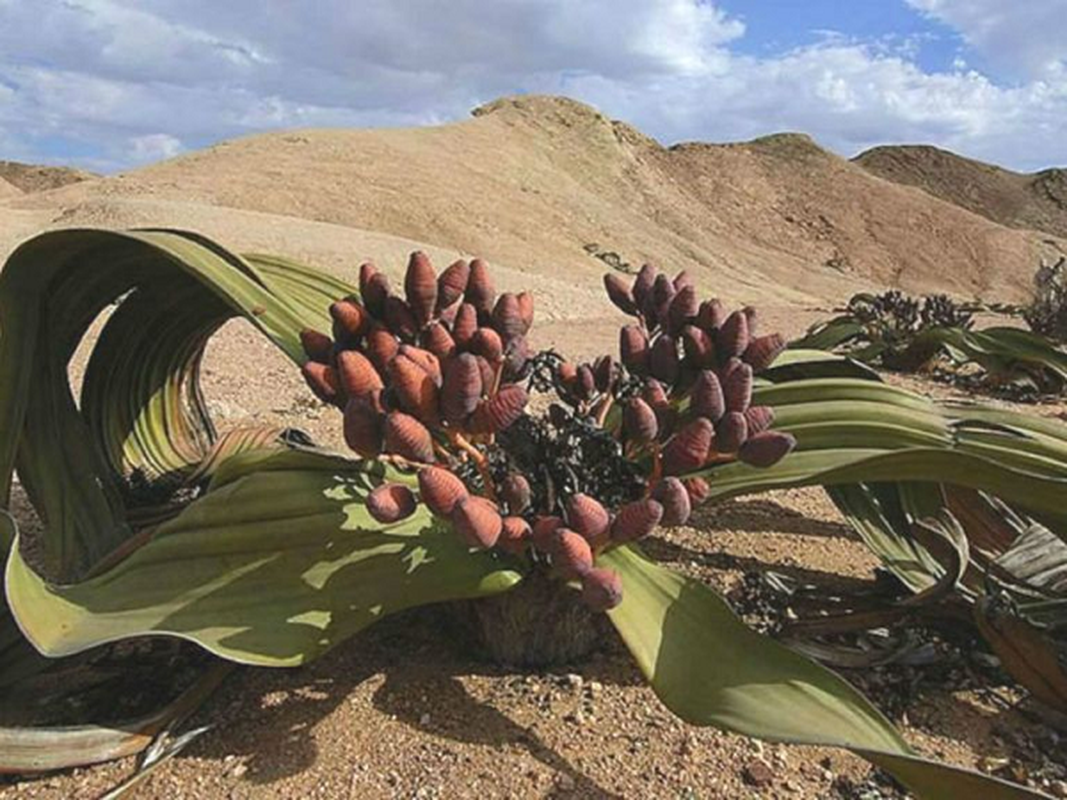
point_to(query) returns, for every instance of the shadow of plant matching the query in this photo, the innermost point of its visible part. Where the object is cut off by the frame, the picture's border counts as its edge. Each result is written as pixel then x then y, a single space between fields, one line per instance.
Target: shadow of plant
pixel 269 718
pixel 762 516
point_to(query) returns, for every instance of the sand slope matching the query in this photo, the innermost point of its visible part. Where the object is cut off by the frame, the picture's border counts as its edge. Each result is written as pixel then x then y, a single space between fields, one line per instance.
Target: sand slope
pixel 1019 200
pixel 532 182
pixel 8 190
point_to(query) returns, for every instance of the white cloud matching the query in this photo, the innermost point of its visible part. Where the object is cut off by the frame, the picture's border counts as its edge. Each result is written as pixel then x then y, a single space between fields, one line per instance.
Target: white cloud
pixel 1024 38
pixel 154 147
pixel 131 81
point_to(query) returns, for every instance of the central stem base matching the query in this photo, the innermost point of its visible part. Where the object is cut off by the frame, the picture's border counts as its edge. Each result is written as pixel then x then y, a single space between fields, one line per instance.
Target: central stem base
pixel 541 623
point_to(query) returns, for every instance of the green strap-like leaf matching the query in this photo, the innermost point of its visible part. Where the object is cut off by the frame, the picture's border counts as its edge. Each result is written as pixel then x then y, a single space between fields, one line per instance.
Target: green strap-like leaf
pixel 710 669
pixel 876 513
pixel 829 335
pixel 797 364
pixel 274 567
pixel 832 466
pixel 141 405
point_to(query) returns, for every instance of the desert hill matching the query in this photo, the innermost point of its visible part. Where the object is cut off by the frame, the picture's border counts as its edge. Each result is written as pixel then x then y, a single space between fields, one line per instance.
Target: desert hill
pixel 544 184
pixel 39 178
pixel 1018 200
pixel 8 190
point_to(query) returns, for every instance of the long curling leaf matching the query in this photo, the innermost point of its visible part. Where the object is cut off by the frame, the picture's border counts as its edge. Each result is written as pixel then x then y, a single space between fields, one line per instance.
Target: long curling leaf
pixel 710 669
pixel 142 408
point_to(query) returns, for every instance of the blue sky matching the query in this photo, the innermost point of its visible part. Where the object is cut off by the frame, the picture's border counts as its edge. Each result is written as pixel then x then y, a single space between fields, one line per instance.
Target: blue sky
pixel 772 26
pixel 112 84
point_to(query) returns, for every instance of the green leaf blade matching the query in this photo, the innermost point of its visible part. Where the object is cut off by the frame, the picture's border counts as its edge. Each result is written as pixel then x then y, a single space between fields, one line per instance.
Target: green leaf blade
pixel 273 568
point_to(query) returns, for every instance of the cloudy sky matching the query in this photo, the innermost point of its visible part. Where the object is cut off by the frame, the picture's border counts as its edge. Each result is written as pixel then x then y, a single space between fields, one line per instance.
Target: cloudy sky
pixel 110 84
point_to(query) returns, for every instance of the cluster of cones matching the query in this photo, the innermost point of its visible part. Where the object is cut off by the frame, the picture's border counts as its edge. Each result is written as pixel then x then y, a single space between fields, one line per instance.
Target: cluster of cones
pixel 430 379
pixel 439 363
pixel 692 405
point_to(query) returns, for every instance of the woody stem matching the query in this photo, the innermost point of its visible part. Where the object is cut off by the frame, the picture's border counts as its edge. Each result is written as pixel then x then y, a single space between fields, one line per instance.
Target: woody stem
pixel 480 462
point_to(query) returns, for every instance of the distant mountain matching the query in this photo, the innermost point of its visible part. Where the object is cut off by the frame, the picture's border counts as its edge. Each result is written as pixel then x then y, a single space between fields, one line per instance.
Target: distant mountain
pixel 32 178
pixel 1019 200
pixel 551 187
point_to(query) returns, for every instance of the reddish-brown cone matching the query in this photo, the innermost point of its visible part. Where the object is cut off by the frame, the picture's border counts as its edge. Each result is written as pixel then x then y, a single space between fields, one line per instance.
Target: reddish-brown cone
pixel 633 349
pixel 763 350
pixel 737 389
pixel 711 315
pixel 477 522
pixel 544 531
pixel 731 432
pixel 363 426
pixel 567 373
pixel 440 490
pixel 682 310
pixel 732 338
pixel 639 421
pixel 498 412
pixel 507 317
pixel 698 347
pixel 682 280
pixel 601 589
pixel 448 315
pixel 357 375
pixel 698 489
pixel 480 291
pixel 588 517
pixel 752 315
pixel 515 492
pixel 663 359
pixel 759 419
pixel 391 502
pixel 486 342
pixel 438 340
pixel 381 348
pixel 374 293
pixel 405 436
pixel 571 554
pixel 526 310
pixel 452 283
pixel 399 319
pixel 425 359
pixel 317 345
pixel 636 520
pixel 728 368
pixel 488 373
pixel 414 387
pixel 462 388
pixel 604 373
pixel 420 288
pixel 671 494
pixel 662 295
pixel 323 381
pixel 688 449
pixel 707 399
pixel 465 325
pixel 585 382
pixel 767 448
pixel 641 291
pixel 366 271
pixel 516 354
pixel 656 396
pixel 349 320
pixel 619 294
pixel 514 535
